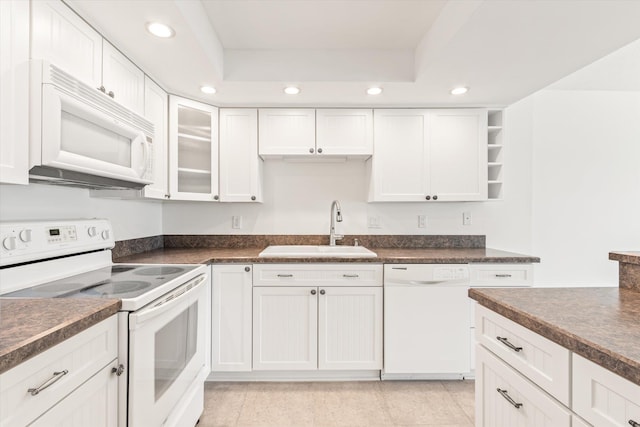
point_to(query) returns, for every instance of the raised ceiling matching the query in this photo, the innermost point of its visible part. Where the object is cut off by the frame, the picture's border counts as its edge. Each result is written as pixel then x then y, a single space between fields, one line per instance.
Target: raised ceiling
pixel 417 50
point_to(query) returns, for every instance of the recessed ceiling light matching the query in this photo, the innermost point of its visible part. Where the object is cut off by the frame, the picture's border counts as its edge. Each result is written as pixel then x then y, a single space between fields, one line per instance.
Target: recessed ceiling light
pixel 374 90
pixel 208 90
pixel 459 90
pixel 291 90
pixel 160 30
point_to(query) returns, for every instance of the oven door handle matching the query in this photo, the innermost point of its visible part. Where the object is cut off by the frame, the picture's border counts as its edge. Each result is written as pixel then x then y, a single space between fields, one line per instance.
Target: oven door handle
pixel 167 302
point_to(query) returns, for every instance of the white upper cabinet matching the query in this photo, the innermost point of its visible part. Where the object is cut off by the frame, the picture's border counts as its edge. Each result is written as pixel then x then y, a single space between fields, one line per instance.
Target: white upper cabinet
pixel 240 165
pixel 123 81
pixel 344 132
pixel 287 131
pixel 429 155
pixel 156 107
pixel 193 150
pixel 61 37
pixel 14 91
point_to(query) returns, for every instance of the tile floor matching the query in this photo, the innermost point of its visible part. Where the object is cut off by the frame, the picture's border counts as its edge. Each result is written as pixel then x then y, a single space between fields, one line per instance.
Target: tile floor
pixel 380 403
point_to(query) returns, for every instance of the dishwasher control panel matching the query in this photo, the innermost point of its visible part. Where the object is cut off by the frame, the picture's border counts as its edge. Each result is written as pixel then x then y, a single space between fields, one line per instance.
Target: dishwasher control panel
pixel 450 273
pixel 426 272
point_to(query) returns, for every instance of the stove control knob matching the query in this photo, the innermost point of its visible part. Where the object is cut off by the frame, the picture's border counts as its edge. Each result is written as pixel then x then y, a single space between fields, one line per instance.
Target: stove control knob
pixel 91 231
pixel 105 235
pixel 9 243
pixel 25 235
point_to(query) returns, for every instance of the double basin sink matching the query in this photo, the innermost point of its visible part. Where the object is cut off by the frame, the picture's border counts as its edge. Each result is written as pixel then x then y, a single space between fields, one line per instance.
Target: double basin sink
pixel 317 251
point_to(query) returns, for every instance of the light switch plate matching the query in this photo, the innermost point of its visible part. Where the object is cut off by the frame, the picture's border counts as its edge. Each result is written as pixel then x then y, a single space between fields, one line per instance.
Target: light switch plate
pixel 236 222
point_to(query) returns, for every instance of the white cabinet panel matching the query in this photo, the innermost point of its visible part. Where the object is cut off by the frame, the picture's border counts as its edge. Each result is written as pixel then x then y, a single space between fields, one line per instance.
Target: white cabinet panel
pixel 399 164
pixel 345 132
pixel 287 131
pixel 457 154
pixel 240 165
pixel 231 317
pixel 156 108
pixel 343 274
pixel 193 150
pixel 122 80
pixel 285 328
pixel 603 398
pixel 350 328
pixel 499 275
pixel 60 36
pixel 544 362
pixel 496 383
pixel 94 404
pixel 14 91
pixel 578 422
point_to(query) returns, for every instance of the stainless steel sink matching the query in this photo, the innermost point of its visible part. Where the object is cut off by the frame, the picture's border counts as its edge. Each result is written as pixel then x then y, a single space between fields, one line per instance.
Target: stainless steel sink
pixel 317 251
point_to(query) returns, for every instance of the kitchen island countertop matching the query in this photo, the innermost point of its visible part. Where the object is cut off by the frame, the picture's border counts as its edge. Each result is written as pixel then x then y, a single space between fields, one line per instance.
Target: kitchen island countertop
pixel 29 326
pixel 600 324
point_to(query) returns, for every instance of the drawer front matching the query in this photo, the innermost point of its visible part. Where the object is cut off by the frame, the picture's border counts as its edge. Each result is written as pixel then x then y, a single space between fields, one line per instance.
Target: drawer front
pixel 602 397
pixel 81 356
pixel 317 274
pixel 499 389
pixel 544 362
pixel 496 275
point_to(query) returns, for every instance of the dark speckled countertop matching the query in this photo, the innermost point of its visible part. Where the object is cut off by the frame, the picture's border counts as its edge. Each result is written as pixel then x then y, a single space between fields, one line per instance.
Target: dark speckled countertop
pixel 385 255
pixel 600 324
pixel 29 326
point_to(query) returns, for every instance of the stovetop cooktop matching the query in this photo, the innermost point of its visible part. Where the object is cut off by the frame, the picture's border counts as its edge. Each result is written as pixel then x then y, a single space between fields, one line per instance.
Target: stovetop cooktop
pixel 116 281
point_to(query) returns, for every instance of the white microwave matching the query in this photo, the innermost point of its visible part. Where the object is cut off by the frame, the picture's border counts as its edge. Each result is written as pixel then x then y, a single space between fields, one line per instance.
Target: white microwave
pixel 81 137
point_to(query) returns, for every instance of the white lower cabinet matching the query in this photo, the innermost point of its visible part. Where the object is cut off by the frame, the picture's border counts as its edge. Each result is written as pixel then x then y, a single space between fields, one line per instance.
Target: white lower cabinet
pixel 578 422
pixel 70 384
pixel 507 399
pixel 231 317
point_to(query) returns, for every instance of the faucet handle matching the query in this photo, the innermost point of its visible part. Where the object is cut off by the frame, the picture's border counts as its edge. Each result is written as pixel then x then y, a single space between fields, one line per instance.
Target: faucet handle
pixel 338 236
pixel 356 242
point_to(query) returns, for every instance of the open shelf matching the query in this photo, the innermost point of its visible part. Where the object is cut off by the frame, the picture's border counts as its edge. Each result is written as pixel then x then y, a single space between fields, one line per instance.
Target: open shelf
pixel 194 171
pixel 494 154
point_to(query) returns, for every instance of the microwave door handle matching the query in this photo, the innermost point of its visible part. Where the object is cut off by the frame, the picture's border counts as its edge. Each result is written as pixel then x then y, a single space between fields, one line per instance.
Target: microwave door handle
pixel 138 318
pixel 145 154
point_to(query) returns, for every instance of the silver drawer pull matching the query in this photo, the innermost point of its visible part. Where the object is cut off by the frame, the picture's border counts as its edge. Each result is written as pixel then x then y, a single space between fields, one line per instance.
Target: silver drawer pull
pixel 285 275
pixel 506 342
pixel 509 398
pixel 634 423
pixel 351 276
pixel 55 378
pixel 503 275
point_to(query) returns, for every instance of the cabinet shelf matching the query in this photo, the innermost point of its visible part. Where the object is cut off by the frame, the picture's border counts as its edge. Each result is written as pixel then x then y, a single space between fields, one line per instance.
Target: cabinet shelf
pixel 495 182
pixel 494 129
pixel 194 137
pixel 494 146
pixel 194 171
pixel 494 164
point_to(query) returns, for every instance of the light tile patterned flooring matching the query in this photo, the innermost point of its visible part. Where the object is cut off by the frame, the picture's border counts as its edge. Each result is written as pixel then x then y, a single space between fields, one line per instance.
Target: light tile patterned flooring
pixel 349 404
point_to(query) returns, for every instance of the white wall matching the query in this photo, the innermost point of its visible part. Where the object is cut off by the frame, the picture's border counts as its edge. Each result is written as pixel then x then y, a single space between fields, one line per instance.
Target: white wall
pixel 130 218
pixel 586 183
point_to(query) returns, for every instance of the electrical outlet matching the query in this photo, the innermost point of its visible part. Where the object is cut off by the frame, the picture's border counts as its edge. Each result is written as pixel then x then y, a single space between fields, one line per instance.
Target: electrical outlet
pixel 373 222
pixel 236 221
pixel 422 221
pixel 466 218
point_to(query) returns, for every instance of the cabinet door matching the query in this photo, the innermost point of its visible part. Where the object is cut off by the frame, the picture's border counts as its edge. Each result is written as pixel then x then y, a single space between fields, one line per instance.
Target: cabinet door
pixel 231 317
pixel 285 322
pixel 156 107
pixel 122 79
pixel 496 382
pixel 60 36
pixel 350 328
pixel 193 150
pixel 457 141
pixel 287 131
pixel 344 132
pixel 240 166
pixel 398 171
pixel 14 91
pixel 578 422
pixel 94 403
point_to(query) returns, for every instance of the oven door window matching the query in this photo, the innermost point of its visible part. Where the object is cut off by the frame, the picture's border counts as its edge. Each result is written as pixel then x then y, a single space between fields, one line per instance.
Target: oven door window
pixel 175 345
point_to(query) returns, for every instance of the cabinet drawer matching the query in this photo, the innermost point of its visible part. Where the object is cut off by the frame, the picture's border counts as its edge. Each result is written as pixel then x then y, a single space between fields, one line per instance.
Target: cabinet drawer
pixel 496 383
pixel 602 397
pixel 495 275
pixel 317 274
pixel 542 361
pixel 81 356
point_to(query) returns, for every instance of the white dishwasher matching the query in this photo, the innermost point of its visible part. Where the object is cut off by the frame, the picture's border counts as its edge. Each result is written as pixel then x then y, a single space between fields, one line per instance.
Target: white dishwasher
pixel 426 321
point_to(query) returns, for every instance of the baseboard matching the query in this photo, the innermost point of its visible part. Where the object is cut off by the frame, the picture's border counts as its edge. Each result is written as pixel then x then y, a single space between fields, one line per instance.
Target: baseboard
pixel 368 375
pixel 391 377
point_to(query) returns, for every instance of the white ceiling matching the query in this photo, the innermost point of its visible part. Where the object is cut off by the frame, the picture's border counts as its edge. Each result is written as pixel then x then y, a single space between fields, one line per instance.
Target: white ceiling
pixel 417 50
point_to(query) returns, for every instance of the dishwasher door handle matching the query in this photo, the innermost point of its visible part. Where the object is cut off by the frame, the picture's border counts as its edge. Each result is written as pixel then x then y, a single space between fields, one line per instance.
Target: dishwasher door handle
pixel 425 282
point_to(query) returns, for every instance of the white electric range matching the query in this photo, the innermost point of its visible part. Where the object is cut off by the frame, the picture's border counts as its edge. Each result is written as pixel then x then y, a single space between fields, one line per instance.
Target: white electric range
pixel 162 325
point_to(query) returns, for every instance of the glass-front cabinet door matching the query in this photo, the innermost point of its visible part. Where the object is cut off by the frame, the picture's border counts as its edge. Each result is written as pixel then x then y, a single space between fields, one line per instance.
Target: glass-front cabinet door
pixel 193 150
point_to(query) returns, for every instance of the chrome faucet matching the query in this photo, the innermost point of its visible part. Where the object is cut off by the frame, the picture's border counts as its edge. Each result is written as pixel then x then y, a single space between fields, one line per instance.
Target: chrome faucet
pixel 335 217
